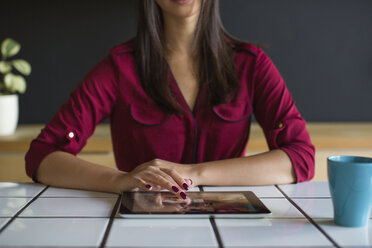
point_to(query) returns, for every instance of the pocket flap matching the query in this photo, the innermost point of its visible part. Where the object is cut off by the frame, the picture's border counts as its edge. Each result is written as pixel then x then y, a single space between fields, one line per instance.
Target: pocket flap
pixel 233 112
pixel 148 114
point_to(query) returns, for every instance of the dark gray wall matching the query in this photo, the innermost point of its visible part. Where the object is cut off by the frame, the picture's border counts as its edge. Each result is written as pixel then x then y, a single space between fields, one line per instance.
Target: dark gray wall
pixel 323 48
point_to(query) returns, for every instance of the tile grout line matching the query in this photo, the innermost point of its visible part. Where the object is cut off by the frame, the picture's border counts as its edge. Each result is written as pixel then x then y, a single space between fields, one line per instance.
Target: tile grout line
pixel 216 232
pixel 111 221
pixel 214 226
pixel 308 217
pixel 23 208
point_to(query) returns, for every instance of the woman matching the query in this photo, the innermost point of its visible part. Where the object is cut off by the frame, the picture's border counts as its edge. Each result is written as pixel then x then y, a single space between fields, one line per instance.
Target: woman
pixel 180 98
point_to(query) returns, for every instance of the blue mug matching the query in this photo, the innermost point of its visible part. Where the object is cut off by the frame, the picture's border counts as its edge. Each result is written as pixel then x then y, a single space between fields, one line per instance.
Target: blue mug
pixel 350 183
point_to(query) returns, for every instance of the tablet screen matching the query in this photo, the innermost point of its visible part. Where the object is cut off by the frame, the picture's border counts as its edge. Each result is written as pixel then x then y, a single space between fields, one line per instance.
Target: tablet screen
pixel 242 202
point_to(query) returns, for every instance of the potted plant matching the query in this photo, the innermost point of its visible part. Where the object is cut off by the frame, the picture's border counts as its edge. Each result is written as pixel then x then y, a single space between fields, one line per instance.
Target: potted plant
pixel 10 85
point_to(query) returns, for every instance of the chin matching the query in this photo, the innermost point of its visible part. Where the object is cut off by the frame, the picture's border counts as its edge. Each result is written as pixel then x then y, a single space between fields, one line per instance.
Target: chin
pixel 180 8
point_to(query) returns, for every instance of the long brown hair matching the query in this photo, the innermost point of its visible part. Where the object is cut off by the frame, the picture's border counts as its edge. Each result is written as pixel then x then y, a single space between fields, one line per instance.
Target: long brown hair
pixel 213 49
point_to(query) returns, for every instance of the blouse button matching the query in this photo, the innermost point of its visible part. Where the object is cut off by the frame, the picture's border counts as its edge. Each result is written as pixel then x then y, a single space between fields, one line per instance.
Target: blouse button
pixel 280 125
pixel 70 135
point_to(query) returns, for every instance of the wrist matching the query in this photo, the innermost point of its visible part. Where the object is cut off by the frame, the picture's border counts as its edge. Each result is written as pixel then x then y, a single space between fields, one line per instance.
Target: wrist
pixel 121 182
pixel 195 172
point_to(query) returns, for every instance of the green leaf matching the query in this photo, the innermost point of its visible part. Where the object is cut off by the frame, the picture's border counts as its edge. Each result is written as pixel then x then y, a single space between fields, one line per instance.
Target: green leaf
pixel 20 85
pixel 22 66
pixel 5 67
pixel 15 83
pixel 10 47
pixel 8 80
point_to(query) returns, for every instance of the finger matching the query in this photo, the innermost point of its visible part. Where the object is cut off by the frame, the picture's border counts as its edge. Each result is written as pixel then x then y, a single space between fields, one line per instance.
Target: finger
pixel 163 182
pixel 174 187
pixel 171 172
pixel 143 185
pixel 156 188
pixel 177 178
pixel 189 182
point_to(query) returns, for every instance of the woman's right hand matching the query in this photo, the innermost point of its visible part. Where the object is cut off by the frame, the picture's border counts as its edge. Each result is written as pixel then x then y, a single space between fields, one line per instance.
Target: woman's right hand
pixel 156 175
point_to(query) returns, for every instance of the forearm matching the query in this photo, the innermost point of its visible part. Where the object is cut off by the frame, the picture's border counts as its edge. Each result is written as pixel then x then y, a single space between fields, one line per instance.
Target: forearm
pixel 61 169
pixel 273 167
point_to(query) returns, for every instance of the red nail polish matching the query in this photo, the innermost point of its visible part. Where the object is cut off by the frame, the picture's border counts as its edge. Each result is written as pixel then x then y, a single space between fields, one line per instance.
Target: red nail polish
pixel 185 186
pixel 175 189
pixel 190 181
pixel 183 195
pixel 148 186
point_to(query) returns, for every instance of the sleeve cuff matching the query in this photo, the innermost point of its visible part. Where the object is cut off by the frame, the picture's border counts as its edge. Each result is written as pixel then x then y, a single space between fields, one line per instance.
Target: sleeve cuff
pixel 303 164
pixel 37 152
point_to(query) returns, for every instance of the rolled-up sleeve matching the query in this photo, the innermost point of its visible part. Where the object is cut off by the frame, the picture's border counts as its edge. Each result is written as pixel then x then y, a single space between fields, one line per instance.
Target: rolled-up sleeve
pixel 279 118
pixel 90 102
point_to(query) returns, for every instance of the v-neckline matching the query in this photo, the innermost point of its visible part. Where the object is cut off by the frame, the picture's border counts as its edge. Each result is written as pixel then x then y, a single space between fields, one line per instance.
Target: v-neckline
pixel 174 81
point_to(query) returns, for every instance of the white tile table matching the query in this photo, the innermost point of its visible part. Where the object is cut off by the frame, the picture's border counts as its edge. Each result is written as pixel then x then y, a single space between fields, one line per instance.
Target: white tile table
pixel 54 232
pixel 344 236
pixel 70 207
pixel 20 189
pixel 10 206
pixel 3 221
pixel 33 215
pixel 306 190
pixel 162 233
pixel 316 208
pixel 269 232
pixel 281 208
pixel 71 193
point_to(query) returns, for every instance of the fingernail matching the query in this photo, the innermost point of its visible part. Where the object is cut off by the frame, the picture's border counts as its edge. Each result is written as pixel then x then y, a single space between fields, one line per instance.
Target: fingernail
pixel 183 195
pixel 190 181
pixel 175 189
pixel 148 186
pixel 185 186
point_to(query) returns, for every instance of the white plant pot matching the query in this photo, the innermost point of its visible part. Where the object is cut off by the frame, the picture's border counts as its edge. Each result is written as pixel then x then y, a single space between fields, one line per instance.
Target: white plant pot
pixel 8 114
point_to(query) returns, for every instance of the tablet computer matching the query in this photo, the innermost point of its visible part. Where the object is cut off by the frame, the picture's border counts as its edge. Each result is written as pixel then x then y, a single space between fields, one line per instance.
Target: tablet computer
pixel 226 204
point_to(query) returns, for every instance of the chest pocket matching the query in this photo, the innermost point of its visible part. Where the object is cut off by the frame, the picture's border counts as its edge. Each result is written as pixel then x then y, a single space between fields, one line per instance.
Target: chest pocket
pixel 149 114
pixel 233 112
pixel 228 130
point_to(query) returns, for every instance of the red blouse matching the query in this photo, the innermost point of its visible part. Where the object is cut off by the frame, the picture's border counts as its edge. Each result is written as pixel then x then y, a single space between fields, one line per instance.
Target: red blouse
pixel 141 131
